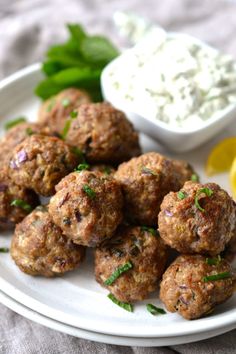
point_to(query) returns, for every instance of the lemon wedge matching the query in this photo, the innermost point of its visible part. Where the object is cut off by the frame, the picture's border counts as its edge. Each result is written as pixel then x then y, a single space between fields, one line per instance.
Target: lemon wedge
pixel 221 157
pixel 232 177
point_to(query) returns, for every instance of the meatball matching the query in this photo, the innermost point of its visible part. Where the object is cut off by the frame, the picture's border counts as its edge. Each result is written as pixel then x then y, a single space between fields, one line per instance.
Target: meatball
pixel 103 133
pixel 184 172
pixel 15 201
pixel 15 136
pixel 40 162
pixel 106 169
pixel 187 286
pixel 200 218
pixel 146 252
pixel 146 180
pixel 87 207
pixel 39 248
pixel 54 112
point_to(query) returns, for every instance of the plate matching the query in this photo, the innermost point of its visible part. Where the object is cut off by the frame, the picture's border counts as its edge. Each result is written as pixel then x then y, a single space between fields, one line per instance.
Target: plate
pixel 104 338
pixel 76 299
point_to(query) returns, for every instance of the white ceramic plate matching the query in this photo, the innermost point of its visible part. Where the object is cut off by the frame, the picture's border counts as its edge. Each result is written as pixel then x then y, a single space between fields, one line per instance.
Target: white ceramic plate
pixel 104 338
pixel 76 299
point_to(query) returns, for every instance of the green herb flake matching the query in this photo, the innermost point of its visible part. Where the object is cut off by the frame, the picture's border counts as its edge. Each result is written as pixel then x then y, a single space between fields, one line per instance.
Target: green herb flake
pixel 65 102
pixel 213 261
pixel 4 250
pixel 29 131
pixel 14 122
pixel 73 114
pixel 148 171
pixel 89 191
pixel 79 153
pixel 181 195
pixel 117 273
pixel 150 230
pixel 82 167
pixel 107 170
pixel 124 305
pixel 208 192
pixel 66 129
pixel 216 277
pixel 155 310
pixel 51 104
pixel 194 177
pixel 21 204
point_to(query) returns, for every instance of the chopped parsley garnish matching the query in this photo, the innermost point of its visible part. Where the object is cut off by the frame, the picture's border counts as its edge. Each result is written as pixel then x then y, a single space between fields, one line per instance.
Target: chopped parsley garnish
pixel 181 195
pixel 107 170
pixel 148 171
pixel 66 129
pixel 124 305
pixel 213 261
pixel 89 191
pixel 194 177
pixel 65 102
pixel 4 250
pixel 208 192
pixel 14 122
pixel 29 131
pixel 73 114
pixel 117 273
pixel 79 153
pixel 155 310
pixel 21 204
pixel 82 166
pixel 150 229
pixel 216 277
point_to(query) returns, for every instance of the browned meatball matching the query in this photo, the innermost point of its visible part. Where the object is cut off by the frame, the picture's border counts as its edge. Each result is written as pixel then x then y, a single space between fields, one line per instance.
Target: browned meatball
pixel 230 250
pixel 186 288
pixel 198 219
pixel 87 207
pixel 15 136
pixel 146 180
pixel 23 201
pixel 54 112
pixel 106 169
pixel 103 133
pixel 39 248
pixel 40 162
pixel 146 252
pixel 184 172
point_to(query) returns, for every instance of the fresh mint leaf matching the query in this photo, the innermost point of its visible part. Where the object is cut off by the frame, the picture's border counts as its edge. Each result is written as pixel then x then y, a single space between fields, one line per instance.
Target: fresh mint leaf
pixel 97 49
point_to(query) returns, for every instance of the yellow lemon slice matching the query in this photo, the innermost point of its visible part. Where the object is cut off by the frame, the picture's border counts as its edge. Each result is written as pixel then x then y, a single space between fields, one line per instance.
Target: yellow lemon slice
pixel 232 177
pixel 221 157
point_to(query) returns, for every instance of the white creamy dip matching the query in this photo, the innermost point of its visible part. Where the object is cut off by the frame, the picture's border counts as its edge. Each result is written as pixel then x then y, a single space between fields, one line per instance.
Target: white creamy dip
pixel 175 79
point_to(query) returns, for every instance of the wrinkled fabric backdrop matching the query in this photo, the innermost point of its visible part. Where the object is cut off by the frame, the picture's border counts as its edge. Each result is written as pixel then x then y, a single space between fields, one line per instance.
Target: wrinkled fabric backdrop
pixel 27 28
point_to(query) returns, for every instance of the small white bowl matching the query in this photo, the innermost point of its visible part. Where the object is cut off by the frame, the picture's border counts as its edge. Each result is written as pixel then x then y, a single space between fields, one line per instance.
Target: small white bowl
pixel 175 139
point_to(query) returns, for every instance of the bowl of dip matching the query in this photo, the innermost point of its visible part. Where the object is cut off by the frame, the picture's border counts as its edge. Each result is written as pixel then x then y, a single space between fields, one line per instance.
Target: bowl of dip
pixel 174 88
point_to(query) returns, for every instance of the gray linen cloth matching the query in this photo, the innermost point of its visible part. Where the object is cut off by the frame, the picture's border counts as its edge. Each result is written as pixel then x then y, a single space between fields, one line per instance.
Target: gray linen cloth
pixel 27 28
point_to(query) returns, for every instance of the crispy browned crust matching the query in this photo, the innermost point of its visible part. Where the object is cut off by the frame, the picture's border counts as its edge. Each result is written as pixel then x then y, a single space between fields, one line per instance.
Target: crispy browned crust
pixel 40 162
pixel 189 230
pixel 54 112
pixel 145 181
pixel 148 255
pixel 183 290
pixel 39 248
pixel 87 220
pixel 15 136
pixel 103 133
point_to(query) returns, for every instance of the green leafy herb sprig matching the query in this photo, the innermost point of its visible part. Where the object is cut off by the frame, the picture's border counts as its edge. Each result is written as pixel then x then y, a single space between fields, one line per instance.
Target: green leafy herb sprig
pixel 76 63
